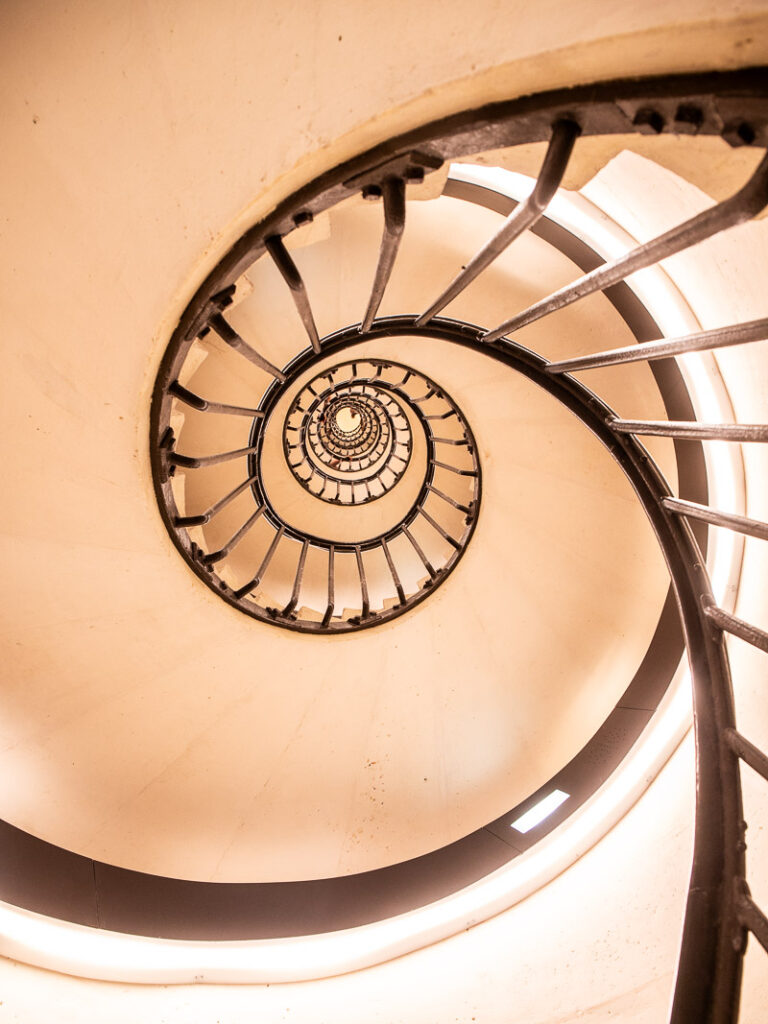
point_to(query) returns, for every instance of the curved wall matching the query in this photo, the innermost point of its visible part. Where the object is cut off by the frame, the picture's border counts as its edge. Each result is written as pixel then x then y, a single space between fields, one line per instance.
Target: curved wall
pixel 123 139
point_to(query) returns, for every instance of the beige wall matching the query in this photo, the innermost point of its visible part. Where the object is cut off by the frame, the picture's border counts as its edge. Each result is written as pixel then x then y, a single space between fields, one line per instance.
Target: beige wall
pixel 138 141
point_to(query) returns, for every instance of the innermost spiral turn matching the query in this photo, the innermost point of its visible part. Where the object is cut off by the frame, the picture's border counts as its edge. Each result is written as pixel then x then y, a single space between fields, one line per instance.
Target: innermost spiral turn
pixel 347 436
pixel 347 419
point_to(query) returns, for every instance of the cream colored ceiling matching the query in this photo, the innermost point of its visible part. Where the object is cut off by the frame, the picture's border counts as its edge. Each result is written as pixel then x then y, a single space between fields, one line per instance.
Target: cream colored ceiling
pixel 143 721
pixel 147 724
pixel 121 163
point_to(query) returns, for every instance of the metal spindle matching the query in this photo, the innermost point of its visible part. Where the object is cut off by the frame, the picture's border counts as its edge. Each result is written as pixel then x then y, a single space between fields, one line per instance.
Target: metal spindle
pixel 453 469
pixel 205 517
pixel 443 533
pixel 331 586
pixel 451 501
pixel 290 272
pixel 230 337
pixel 393 192
pixel 741 524
pixel 216 556
pixel 702 341
pixel 742 206
pixel 417 548
pixel 297 580
pixel 748 752
pixel 203 405
pixel 564 135
pixel 738 627
pixel 694 431
pixel 393 571
pixel 441 415
pixel 264 565
pixel 424 398
pixel 200 461
pixel 363 582
pixel 752 918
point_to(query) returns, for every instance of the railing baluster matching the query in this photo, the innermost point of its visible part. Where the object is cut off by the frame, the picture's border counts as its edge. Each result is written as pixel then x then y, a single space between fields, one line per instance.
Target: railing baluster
pixel 454 469
pixel 441 415
pixel 331 586
pixel 748 752
pixel 186 521
pixel 205 517
pixel 290 272
pixel 230 337
pixel 742 206
pixel 393 192
pixel 298 580
pixel 203 405
pixel 393 571
pixel 264 565
pixel 363 582
pixel 216 556
pixel 199 461
pixel 451 501
pixel 423 398
pixel 752 917
pixel 738 627
pixel 741 524
pixel 694 431
pixel 446 536
pixel 524 216
pixel 417 548
pixel 702 341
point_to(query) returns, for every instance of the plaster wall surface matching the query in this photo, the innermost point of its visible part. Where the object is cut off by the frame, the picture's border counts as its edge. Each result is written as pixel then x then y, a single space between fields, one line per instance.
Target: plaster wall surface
pixel 142 140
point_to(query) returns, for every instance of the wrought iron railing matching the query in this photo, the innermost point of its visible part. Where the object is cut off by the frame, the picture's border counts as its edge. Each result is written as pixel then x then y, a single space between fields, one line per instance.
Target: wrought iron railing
pixel 348 438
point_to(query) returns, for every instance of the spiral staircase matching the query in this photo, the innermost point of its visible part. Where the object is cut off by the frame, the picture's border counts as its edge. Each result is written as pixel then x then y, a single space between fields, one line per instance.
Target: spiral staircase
pixel 351 659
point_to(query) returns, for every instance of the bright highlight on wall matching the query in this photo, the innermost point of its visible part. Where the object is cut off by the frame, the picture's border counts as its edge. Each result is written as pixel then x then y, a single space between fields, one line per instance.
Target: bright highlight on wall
pixel 540 811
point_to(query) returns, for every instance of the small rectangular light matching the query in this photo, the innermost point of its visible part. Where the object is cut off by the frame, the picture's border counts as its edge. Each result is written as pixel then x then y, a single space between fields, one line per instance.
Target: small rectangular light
pixel 540 811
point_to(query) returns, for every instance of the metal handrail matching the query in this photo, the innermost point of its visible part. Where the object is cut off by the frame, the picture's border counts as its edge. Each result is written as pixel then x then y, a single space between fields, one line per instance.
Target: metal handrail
pixel 340 471
pixel 720 912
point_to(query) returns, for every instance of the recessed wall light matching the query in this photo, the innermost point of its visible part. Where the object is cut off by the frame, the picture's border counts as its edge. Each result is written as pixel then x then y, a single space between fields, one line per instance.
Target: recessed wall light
pixel 540 811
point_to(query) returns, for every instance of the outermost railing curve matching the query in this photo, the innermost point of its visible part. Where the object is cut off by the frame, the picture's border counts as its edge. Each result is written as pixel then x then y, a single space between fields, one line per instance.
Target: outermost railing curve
pixel 720 912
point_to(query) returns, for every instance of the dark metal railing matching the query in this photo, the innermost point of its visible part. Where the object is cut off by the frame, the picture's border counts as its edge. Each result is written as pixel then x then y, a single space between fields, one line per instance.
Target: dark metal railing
pixel 353 466
pixel 745 204
pixel 720 912
pixel 341 462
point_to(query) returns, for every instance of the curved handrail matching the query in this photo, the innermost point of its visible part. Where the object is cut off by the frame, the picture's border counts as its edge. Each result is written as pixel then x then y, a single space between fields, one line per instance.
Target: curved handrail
pixel 720 912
